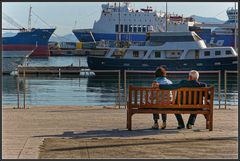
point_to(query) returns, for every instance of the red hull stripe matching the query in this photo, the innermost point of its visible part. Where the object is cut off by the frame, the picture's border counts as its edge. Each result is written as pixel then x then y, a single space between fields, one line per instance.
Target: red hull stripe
pixel 40 50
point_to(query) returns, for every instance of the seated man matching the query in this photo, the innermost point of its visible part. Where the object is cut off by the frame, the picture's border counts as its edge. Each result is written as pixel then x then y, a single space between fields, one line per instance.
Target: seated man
pixel 191 82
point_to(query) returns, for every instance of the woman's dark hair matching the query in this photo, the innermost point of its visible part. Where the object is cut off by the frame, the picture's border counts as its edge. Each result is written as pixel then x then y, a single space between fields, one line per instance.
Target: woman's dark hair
pixel 161 72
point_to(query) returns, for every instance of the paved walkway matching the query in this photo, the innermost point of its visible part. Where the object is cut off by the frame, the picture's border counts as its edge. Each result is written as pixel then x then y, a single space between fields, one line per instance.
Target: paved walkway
pixel 88 132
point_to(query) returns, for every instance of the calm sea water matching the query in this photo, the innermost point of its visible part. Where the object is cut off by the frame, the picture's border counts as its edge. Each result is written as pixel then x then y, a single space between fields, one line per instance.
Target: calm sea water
pixel 75 90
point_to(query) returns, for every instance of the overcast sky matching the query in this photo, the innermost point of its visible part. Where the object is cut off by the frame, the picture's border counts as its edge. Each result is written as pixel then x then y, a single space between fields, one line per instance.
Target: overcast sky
pixel 68 15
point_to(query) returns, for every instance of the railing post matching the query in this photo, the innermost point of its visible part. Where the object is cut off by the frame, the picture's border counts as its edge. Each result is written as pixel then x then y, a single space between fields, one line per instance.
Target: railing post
pixel 59 72
pixel 219 88
pixel 24 88
pixel 119 87
pixel 18 96
pixel 125 87
pixel 225 88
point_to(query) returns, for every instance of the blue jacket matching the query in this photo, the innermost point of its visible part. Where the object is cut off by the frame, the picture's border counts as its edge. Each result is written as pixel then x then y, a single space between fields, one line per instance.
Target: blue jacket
pixel 184 83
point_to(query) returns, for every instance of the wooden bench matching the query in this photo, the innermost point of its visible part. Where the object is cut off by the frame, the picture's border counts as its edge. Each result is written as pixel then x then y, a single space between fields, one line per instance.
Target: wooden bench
pixel 183 101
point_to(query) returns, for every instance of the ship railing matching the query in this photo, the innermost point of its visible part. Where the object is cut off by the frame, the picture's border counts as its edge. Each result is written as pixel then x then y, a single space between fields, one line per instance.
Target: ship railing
pixel 226 72
pixel 144 73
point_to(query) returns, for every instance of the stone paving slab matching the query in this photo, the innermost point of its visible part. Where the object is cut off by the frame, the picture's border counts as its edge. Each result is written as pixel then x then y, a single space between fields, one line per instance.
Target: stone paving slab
pixel 25 131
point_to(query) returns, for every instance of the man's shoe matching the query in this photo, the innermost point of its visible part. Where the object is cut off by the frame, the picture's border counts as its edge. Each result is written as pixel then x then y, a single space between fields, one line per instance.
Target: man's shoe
pixel 180 127
pixel 189 126
pixel 164 125
pixel 155 126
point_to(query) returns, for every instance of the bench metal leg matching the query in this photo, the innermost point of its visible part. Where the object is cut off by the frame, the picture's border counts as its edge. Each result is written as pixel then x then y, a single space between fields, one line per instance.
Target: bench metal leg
pixel 129 120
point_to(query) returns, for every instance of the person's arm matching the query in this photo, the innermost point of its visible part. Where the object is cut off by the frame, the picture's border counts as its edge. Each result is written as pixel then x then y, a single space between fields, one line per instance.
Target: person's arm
pixel 171 86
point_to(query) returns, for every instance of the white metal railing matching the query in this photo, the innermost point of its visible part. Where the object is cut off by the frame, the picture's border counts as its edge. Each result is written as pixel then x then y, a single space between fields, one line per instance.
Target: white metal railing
pixel 80 71
pixel 173 72
pixel 225 84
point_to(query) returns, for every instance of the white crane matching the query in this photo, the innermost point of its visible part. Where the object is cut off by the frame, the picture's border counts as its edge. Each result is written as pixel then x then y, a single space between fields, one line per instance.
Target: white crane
pixel 12 22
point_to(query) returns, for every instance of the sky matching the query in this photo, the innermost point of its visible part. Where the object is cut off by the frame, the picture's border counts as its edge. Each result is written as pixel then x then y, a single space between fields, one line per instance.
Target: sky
pixel 66 16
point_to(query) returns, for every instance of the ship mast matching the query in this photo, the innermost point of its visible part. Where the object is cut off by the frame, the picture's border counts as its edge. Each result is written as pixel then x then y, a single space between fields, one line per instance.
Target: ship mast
pixel 166 18
pixel 235 30
pixel 29 18
pixel 119 23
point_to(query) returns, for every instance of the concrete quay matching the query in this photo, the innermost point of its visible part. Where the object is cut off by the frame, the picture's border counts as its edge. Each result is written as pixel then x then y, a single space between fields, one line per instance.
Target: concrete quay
pixel 100 132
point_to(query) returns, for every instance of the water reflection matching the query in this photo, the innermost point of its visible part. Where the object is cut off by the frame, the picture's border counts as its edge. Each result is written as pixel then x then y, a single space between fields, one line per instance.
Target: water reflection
pixel 98 90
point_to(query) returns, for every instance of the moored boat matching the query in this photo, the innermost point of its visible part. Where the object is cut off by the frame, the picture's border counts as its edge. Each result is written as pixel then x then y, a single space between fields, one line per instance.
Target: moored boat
pixel 178 51
pixel 25 40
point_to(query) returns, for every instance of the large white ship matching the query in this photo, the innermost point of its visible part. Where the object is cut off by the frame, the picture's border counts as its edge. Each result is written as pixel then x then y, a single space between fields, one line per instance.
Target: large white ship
pixel 123 22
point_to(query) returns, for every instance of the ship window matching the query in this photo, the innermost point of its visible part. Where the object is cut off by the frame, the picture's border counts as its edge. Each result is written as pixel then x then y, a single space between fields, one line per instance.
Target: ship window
pixel 206 53
pixel 135 29
pixel 173 53
pixel 144 29
pixel 125 28
pixel 121 28
pixel 130 28
pixel 139 28
pixel 217 52
pixel 157 54
pixel 135 53
pixel 116 28
pixel 228 52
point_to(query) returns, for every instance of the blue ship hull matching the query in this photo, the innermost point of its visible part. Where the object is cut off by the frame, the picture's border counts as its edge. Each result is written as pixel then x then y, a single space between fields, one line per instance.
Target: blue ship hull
pixel 100 63
pixel 86 37
pixel 36 39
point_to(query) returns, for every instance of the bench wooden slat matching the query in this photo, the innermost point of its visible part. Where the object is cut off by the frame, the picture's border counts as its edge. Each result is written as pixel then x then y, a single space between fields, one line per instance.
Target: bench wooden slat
pixel 201 97
pixel 146 96
pixel 173 97
pixel 168 96
pixel 135 96
pixel 184 97
pixel 141 97
pixel 195 97
pixel 152 96
pixel 190 97
pixel 157 96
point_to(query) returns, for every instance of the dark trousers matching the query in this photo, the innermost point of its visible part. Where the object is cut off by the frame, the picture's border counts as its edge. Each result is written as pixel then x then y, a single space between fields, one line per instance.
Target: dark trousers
pixel 156 117
pixel 191 119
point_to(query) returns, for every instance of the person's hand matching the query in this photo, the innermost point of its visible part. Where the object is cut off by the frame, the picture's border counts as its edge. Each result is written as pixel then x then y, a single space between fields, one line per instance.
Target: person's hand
pixel 155 85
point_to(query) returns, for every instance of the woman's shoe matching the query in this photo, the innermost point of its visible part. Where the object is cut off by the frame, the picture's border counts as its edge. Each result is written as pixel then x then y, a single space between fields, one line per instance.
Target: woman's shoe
pixel 180 127
pixel 164 125
pixel 155 126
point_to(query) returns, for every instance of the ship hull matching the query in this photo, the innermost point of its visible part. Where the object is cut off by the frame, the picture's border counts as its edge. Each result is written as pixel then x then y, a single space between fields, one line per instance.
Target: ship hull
pixel 209 38
pixel 98 63
pixel 36 40
pixel 86 37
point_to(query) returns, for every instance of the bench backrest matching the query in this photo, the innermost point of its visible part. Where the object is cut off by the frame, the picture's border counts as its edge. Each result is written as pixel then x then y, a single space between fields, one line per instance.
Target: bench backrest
pixel 147 97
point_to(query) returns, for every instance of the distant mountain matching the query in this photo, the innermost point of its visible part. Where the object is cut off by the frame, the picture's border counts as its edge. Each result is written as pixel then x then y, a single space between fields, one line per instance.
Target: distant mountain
pixel 65 38
pixel 207 19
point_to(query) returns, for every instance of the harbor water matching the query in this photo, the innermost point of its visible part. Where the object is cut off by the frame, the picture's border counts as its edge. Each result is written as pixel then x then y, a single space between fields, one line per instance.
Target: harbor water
pixel 76 90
